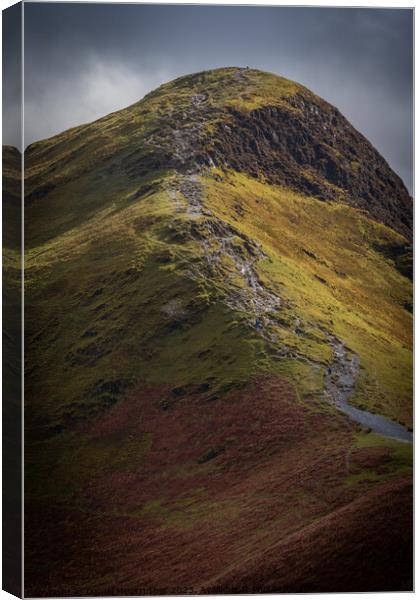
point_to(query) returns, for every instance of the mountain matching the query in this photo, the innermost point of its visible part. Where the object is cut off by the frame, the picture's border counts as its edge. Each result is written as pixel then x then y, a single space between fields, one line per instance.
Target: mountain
pixel 218 330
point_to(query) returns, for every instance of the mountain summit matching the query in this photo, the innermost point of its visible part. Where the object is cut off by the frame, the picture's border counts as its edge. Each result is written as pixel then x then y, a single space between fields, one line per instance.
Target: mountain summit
pixel 258 124
pixel 218 330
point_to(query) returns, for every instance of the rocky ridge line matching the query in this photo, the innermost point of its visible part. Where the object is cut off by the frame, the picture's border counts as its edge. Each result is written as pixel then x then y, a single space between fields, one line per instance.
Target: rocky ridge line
pixel 254 299
pixel 303 143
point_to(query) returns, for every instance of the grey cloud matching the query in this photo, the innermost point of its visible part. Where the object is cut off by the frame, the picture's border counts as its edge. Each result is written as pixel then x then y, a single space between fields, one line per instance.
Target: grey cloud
pixel 85 60
pixel 96 91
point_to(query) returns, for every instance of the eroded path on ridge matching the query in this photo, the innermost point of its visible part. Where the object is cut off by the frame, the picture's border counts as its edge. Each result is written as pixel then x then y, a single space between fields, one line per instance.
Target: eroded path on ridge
pixel 340 380
pixel 219 241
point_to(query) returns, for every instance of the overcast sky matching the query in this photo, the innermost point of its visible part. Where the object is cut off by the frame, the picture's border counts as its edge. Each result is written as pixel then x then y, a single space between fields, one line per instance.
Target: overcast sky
pixel 83 61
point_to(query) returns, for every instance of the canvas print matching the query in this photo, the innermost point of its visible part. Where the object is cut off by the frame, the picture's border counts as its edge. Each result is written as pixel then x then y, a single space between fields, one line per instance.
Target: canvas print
pixel 215 375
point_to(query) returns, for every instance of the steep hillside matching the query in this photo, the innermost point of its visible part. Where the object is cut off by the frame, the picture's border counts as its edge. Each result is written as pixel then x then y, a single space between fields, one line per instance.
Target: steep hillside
pixel 213 275
pixel 11 366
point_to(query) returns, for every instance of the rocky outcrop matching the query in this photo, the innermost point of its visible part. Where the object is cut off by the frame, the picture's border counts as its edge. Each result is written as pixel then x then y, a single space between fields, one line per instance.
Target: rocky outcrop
pixel 301 142
pixel 315 150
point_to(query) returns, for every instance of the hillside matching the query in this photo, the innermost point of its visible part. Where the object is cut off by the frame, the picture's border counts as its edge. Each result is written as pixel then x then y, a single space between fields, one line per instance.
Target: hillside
pixel 210 274
pixel 11 366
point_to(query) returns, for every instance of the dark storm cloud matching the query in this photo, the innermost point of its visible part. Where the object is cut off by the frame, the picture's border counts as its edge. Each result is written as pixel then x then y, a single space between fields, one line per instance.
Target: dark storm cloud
pixel 85 60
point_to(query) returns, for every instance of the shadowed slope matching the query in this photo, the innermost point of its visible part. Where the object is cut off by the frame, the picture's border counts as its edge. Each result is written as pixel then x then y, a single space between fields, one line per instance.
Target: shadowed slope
pixel 12 368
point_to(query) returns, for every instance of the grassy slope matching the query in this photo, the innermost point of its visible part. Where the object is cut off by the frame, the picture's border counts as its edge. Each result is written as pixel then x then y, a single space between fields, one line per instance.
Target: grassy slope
pixel 11 366
pixel 113 309
pixel 323 257
pixel 127 265
pixel 137 371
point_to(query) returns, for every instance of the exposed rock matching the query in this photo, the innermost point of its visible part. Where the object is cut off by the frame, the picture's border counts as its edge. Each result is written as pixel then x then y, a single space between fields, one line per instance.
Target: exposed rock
pixel 303 143
pixel 314 149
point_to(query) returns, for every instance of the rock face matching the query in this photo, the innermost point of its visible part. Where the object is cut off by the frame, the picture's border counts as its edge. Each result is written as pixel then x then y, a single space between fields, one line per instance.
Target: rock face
pixel 315 150
pixel 301 142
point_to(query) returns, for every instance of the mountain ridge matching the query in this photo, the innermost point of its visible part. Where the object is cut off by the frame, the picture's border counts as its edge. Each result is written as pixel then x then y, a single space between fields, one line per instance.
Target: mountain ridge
pixel 267 126
pixel 201 309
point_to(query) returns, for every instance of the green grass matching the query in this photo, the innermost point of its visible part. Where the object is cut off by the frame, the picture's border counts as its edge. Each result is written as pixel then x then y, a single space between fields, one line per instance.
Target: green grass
pixel 250 89
pixel 97 306
pixel 98 294
pixel 322 259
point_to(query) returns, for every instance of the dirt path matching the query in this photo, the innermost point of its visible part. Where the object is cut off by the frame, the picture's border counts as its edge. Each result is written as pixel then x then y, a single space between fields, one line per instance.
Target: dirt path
pixel 219 241
pixel 340 381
